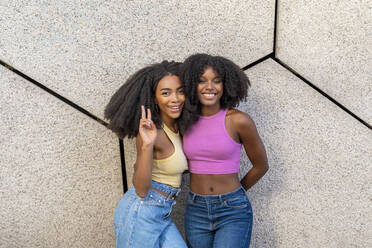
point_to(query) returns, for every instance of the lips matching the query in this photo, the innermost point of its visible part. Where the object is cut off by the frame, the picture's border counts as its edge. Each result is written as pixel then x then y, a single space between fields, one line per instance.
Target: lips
pixel 209 95
pixel 175 108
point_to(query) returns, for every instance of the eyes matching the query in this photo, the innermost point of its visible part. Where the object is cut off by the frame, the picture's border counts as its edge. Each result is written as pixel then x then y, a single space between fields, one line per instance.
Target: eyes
pixel 180 91
pixel 215 81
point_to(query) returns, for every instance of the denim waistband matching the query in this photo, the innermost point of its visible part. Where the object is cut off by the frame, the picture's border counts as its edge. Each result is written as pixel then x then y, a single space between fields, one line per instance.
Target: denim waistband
pixel 169 190
pixel 216 198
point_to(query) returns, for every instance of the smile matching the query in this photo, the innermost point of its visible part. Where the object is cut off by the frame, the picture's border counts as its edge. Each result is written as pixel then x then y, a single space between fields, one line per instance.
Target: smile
pixel 176 108
pixel 209 95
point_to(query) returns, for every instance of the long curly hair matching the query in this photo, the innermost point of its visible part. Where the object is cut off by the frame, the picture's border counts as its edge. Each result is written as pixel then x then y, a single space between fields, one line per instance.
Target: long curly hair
pixel 124 109
pixel 235 85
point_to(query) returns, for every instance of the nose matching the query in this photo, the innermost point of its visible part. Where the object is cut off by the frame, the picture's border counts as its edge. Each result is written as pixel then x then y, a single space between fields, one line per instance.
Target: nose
pixel 209 84
pixel 175 97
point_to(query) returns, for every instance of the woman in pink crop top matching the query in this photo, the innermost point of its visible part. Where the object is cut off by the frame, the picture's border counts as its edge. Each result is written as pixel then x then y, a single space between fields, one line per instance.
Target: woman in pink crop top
pixel 218 212
pixel 142 217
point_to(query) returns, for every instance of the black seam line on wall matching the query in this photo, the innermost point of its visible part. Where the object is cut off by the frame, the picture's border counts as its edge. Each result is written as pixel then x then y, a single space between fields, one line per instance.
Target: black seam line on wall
pixel 75 106
pixel 274 57
pixel 65 100
pixel 322 92
pixel 275 27
pixel 257 61
pixel 123 167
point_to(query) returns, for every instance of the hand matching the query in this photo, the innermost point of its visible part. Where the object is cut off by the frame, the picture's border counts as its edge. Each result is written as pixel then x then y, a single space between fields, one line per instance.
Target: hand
pixel 147 128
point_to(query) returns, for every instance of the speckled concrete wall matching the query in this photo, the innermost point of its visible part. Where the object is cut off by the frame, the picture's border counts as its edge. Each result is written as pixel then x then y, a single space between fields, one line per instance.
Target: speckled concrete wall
pixel 316 193
pixel 60 172
pixel 61 179
pixel 85 50
pixel 333 41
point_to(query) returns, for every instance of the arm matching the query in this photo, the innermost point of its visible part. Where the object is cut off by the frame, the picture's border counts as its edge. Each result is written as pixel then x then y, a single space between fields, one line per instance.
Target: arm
pixel 253 147
pixel 145 148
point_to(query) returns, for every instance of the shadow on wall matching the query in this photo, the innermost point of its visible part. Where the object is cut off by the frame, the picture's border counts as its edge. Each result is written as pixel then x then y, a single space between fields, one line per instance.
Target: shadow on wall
pixel 178 211
pixel 262 194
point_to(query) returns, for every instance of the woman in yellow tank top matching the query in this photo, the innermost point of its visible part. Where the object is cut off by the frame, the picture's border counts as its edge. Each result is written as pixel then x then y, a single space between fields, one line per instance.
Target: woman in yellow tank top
pixel 142 217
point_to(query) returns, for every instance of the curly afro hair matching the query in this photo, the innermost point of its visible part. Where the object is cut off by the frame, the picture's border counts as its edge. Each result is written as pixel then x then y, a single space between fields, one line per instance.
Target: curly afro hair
pixel 124 109
pixel 235 85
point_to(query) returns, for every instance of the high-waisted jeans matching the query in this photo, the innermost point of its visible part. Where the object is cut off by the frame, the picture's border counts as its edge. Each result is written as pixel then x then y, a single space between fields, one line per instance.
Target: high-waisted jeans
pixel 145 222
pixel 218 220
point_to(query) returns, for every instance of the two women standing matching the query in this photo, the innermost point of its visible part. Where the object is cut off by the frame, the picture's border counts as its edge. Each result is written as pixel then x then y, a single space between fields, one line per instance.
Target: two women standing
pixel 218 213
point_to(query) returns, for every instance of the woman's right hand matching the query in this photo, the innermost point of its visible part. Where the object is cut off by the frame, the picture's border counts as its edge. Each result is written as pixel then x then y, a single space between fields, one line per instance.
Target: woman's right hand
pixel 147 128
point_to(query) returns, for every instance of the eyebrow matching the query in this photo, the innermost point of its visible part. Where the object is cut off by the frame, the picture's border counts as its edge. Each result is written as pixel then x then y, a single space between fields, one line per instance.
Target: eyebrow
pixel 166 89
pixel 201 77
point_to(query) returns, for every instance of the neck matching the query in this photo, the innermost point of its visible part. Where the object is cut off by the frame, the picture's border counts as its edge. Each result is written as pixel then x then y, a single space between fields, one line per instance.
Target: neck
pixel 171 124
pixel 210 110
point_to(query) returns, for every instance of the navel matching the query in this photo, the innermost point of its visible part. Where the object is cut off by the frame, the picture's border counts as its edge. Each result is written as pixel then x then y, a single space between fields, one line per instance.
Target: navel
pixel 211 189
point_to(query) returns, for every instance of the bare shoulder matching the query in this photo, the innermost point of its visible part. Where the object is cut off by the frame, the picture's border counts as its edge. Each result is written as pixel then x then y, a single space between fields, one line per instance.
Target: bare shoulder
pixel 240 120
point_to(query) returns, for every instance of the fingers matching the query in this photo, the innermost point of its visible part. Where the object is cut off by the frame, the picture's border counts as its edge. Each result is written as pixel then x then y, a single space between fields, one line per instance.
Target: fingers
pixel 149 114
pixel 143 113
pixel 145 123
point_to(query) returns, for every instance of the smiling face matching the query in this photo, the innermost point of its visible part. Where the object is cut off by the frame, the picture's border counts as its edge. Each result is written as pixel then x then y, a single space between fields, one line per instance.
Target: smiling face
pixel 210 88
pixel 169 96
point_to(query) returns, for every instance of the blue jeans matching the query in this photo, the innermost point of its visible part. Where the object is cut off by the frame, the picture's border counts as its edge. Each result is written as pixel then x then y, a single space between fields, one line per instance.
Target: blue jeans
pixel 145 222
pixel 218 220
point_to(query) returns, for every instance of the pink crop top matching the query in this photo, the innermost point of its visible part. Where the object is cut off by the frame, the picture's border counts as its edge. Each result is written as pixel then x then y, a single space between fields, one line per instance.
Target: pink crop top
pixel 209 148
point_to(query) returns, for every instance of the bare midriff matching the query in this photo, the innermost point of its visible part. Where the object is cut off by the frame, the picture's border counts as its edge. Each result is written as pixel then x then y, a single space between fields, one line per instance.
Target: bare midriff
pixel 160 192
pixel 211 184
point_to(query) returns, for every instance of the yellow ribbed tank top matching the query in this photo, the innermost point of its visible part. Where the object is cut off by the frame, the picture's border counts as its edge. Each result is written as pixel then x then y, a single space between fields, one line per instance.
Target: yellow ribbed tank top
pixel 169 170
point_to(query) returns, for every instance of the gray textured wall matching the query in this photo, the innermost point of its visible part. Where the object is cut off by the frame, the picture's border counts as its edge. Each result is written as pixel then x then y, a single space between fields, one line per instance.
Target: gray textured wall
pixel 333 40
pixel 317 192
pixel 60 175
pixel 60 171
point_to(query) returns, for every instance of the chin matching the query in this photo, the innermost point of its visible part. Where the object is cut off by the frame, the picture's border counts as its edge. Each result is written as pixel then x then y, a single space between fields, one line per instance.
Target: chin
pixel 209 103
pixel 174 115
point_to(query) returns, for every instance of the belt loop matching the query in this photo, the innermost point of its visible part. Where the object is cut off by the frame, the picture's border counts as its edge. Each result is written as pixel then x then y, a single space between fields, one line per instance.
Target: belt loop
pixel 170 196
pixel 193 196
pixel 178 191
pixel 173 195
pixel 220 198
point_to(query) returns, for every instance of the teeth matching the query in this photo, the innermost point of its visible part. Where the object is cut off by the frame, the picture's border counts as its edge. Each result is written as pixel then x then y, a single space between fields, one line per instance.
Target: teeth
pixel 175 107
pixel 210 95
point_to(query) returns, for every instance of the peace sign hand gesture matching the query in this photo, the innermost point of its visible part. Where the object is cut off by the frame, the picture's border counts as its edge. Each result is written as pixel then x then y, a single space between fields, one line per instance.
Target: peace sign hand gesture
pixel 147 128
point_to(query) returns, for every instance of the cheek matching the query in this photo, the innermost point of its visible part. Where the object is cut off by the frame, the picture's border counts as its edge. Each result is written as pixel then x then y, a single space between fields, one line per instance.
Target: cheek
pixel 199 89
pixel 220 89
pixel 181 98
pixel 160 101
